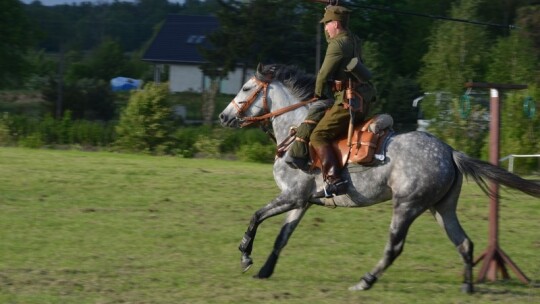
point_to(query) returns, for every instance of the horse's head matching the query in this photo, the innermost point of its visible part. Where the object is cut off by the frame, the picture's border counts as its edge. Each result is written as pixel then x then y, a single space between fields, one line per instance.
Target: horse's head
pixel 250 102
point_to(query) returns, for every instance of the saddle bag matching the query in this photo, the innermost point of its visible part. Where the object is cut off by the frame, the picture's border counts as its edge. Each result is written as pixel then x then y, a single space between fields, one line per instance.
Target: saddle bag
pixel 363 150
pixel 366 145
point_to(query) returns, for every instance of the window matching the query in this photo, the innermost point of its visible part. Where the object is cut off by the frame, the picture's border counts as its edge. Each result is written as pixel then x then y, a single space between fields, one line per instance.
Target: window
pixel 195 39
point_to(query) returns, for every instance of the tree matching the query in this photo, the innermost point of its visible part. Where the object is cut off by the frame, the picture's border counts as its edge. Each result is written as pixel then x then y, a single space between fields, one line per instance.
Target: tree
pixel 16 39
pixel 456 52
pixel 455 56
pixel 84 98
pixel 511 60
pixel 248 34
pixel 528 20
pixel 512 63
pixel 85 88
pixel 209 95
pixel 520 134
pixel 401 38
pixel 105 62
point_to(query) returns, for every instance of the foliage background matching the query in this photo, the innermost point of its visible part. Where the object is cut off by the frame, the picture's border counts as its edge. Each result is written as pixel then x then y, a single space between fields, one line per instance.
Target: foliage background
pixel 72 51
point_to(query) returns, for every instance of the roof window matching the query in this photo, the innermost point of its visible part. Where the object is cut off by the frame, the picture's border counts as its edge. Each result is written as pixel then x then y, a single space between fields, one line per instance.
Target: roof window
pixel 195 39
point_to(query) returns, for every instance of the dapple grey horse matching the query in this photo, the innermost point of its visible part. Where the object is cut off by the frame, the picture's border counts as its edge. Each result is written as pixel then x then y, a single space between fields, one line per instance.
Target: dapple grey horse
pixel 419 173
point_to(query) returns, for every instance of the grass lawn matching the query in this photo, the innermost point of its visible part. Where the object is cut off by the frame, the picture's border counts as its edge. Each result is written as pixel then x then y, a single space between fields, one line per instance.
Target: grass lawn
pixel 98 227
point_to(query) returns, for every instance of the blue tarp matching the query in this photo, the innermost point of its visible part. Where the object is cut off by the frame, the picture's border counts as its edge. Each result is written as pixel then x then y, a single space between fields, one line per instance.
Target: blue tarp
pixel 125 84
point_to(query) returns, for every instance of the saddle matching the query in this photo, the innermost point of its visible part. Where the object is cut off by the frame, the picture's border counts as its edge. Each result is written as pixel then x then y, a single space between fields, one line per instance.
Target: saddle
pixel 368 141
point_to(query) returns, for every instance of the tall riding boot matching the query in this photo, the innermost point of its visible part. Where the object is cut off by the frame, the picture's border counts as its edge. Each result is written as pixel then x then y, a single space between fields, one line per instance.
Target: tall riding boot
pixel 331 173
pixel 298 155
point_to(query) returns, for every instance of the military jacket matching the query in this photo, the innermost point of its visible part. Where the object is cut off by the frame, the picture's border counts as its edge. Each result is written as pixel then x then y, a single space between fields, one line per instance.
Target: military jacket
pixel 341 49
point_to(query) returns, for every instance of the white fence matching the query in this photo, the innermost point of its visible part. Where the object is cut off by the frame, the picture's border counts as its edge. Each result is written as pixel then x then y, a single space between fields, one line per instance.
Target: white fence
pixel 511 157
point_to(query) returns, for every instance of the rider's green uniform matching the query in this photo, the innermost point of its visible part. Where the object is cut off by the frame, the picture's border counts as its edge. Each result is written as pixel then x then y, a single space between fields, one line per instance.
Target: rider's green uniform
pixel 321 128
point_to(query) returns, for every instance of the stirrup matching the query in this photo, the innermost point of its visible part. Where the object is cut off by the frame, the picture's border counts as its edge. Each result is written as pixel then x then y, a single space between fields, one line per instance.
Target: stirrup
pixel 331 190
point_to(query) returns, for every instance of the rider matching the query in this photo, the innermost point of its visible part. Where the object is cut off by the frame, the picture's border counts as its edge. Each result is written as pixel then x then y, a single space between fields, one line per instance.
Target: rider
pixel 319 128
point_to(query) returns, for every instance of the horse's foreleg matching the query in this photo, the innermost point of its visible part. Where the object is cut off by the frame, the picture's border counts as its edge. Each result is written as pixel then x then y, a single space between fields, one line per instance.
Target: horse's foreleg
pixel 291 222
pixel 246 245
pixel 401 221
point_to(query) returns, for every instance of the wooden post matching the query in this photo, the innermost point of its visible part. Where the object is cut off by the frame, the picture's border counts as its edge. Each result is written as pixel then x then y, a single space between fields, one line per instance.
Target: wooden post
pixel 494 257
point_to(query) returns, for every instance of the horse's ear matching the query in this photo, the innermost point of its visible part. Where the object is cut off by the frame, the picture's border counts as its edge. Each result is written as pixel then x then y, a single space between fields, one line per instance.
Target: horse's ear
pixel 259 74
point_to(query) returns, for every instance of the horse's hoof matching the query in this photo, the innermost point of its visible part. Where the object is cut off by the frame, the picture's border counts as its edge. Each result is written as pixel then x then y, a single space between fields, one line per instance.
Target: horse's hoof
pixel 366 282
pixel 467 288
pixel 246 263
pixel 260 277
pixel 360 286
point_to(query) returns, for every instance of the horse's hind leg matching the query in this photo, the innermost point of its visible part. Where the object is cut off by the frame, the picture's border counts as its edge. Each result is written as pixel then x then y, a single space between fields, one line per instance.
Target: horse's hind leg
pixel 290 224
pixel 402 219
pixel 445 213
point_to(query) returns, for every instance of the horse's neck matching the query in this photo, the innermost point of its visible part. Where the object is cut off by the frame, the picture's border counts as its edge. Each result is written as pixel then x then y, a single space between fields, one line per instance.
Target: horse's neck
pixel 281 98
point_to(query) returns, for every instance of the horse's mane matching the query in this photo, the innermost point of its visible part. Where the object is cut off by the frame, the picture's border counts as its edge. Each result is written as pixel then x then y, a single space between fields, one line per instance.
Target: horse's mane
pixel 298 82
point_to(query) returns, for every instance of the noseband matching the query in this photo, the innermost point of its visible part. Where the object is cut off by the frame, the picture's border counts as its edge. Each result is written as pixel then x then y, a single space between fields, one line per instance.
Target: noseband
pixel 262 86
pixel 242 106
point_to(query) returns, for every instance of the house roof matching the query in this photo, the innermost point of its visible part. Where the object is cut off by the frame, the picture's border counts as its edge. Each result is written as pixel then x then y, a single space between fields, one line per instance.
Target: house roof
pixel 179 38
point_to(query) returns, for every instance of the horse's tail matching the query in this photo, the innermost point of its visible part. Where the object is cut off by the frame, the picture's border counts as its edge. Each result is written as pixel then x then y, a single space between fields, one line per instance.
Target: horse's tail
pixel 480 170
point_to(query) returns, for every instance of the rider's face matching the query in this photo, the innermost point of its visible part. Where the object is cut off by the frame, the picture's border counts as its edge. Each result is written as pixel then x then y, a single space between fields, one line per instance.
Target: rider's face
pixel 331 28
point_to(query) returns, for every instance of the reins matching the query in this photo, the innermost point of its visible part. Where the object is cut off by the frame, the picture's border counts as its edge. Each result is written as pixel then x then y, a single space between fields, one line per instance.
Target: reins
pixel 263 86
pixel 250 120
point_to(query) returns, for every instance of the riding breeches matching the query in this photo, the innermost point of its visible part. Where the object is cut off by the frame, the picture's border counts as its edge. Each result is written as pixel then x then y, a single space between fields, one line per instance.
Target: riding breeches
pixel 333 125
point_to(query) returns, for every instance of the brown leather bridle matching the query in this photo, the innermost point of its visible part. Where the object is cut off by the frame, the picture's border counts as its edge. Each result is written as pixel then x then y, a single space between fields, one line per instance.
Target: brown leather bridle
pixel 262 86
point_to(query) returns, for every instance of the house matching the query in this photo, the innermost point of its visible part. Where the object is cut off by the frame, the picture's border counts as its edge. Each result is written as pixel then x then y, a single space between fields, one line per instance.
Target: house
pixel 177 45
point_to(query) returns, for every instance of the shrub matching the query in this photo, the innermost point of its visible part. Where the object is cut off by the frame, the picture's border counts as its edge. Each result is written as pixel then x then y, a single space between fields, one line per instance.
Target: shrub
pixel 233 139
pixel 34 141
pixel 257 152
pixel 208 146
pixel 23 130
pixel 92 133
pixel 185 138
pixel 147 122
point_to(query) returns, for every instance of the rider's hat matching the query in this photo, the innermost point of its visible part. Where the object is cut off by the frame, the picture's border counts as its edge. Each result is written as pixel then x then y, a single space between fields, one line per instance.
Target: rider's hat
pixel 336 13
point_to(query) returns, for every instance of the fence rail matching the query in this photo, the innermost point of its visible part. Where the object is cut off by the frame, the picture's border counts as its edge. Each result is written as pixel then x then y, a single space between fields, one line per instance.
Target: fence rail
pixel 511 157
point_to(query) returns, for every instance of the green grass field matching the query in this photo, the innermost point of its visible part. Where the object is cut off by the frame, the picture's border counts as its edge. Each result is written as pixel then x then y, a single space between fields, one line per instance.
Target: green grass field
pixel 93 227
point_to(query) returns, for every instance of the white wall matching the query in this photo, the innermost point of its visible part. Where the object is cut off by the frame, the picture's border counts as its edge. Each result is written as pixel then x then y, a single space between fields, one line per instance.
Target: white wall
pixel 184 78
